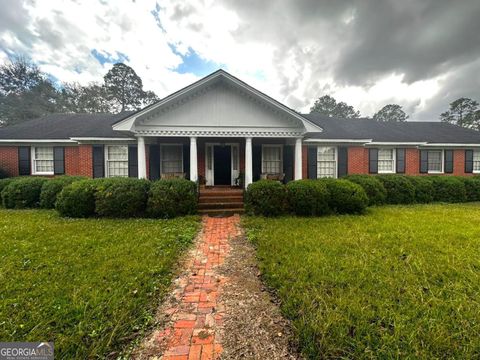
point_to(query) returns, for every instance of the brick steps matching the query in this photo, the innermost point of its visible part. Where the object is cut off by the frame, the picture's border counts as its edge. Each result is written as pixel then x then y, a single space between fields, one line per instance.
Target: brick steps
pixel 220 201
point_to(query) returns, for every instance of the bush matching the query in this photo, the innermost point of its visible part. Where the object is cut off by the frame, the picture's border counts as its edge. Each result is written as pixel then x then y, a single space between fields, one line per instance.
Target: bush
pixel 399 189
pixel 170 198
pixel 448 189
pixel 307 197
pixel 52 188
pixel 121 197
pixel 346 197
pixel 77 200
pixel 472 188
pixel 373 187
pixel 423 187
pixel 22 193
pixel 265 197
pixel 5 182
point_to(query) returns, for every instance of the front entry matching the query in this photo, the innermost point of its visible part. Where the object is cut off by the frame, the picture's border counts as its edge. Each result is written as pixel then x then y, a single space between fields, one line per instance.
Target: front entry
pixel 222 165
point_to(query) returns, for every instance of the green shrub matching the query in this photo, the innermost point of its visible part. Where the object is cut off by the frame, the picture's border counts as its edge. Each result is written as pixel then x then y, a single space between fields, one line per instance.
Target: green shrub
pixel 373 187
pixel 399 189
pixel 423 188
pixel 472 188
pixel 77 200
pixel 448 189
pixel 121 197
pixel 170 198
pixel 346 197
pixel 52 188
pixel 307 197
pixel 265 197
pixel 23 192
pixel 5 182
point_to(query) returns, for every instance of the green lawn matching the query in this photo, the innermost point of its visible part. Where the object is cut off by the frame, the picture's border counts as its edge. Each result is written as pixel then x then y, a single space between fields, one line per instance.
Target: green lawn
pixel 398 282
pixel 89 285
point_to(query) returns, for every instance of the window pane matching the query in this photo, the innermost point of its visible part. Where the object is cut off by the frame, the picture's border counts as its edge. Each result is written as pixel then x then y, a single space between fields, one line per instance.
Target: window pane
pixel 385 160
pixel 476 161
pixel 325 153
pixel 272 159
pixel 117 160
pixel 117 153
pixel 435 161
pixel 326 162
pixel 43 161
pixel 172 159
pixel 385 154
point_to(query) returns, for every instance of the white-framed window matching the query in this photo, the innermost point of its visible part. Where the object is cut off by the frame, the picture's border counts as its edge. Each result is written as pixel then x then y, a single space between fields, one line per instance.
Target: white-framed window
pixel 326 162
pixel 272 159
pixel 476 161
pixel 386 161
pixel 116 160
pixel 171 158
pixel 42 160
pixel 435 161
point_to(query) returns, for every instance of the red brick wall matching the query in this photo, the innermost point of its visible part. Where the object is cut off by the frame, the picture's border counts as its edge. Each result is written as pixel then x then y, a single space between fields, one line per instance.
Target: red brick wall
pixel 459 162
pixel 85 159
pixel 412 162
pixel 357 160
pixel 72 163
pixel 9 160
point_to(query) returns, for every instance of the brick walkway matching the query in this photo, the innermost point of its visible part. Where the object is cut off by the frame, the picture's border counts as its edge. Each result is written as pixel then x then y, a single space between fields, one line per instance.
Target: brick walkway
pixel 194 332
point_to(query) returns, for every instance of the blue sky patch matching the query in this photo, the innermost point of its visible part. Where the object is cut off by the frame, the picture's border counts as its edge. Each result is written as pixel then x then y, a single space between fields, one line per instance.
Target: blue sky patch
pixel 194 64
pixel 105 57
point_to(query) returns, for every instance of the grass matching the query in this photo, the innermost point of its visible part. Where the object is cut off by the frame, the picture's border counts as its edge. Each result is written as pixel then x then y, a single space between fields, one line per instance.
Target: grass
pixel 398 282
pixel 90 285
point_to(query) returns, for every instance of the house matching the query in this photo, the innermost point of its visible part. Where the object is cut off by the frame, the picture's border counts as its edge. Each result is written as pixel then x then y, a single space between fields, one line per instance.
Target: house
pixel 221 131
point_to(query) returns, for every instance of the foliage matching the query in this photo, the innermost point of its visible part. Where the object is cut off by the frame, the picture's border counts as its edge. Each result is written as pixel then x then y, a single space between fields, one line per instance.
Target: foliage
pixel 423 187
pixel 463 112
pixel 173 197
pixel 398 283
pixel 121 197
pixel 22 193
pixel 92 98
pixel 266 198
pixel 373 188
pixel 51 188
pixel 448 189
pixel 77 200
pixel 327 105
pixel 472 188
pixel 89 285
pixel 345 197
pixel 390 113
pixel 307 197
pixel 399 189
pixel 4 182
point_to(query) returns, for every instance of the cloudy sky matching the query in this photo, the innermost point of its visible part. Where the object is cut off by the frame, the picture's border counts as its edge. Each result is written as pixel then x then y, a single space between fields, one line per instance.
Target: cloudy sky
pixel 421 54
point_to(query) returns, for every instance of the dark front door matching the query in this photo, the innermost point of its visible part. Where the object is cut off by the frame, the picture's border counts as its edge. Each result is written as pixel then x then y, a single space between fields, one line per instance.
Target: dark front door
pixel 222 165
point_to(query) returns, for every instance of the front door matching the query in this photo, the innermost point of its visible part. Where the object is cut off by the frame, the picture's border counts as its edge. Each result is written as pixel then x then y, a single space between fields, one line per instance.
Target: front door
pixel 222 165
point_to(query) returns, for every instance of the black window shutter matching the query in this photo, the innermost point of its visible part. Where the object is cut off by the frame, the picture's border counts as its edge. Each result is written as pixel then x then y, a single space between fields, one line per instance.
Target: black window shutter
pixel 24 163
pixel 257 161
pixel 154 162
pixel 288 162
pixel 400 161
pixel 133 161
pixel 98 161
pixel 342 166
pixel 448 161
pixel 312 162
pixel 423 161
pixel 373 161
pixel 58 160
pixel 186 160
pixel 469 161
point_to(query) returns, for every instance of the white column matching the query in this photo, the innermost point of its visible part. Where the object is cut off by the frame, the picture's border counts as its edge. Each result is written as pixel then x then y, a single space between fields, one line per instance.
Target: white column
pixel 142 161
pixel 298 159
pixel 193 159
pixel 248 162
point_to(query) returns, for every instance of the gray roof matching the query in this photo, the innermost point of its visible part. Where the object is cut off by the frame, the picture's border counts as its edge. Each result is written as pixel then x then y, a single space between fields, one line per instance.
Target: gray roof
pixel 410 131
pixel 65 126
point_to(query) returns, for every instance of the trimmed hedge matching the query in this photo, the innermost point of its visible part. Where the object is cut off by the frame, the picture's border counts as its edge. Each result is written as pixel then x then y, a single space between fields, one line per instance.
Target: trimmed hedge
pixel 307 197
pixel 52 188
pixel 472 188
pixel 5 182
pixel 77 200
pixel 266 198
pixel 373 188
pixel 346 197
pixel 22 193
pixel 399 189
pixel 448 189
pixel 170 198
pixel 121 197
pixel 423 188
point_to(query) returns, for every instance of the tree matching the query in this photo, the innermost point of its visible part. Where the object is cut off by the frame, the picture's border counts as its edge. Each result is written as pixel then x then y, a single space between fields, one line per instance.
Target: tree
pixel 463 112
pixel 124 87
pixel 92 98
pixel 392 113
pixel 327 105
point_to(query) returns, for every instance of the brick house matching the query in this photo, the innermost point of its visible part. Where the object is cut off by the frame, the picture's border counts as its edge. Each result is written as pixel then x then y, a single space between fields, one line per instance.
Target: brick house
pixel 219 130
